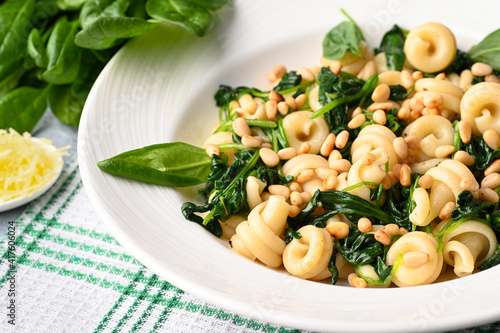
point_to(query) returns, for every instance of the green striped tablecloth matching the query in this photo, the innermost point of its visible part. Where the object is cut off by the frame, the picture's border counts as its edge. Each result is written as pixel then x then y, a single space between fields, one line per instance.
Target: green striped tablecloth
pixel 70 275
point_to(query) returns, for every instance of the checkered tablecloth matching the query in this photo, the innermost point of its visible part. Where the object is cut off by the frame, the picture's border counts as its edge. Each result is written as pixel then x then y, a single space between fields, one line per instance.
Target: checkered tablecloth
pixel 64 272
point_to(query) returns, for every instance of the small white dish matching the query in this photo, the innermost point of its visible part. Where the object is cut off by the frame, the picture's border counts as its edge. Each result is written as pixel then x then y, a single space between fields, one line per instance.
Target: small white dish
pixel 18 202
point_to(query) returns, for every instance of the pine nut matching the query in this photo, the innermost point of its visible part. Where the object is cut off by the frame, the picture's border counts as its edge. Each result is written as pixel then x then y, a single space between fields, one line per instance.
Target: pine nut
pixel 293 211
pixel 391 229
pixel 405 175
pixel 414 115
pixel 287 153
pixel 328 145
pixel 331 182
pixel 356 111
pixel 304 176
pixel 283 108
pixel 464 157
pixel 315 69
pixel 334 155
pixel 340 166
pixel 324 173
pixel 431 111
pixel 404 113
pixel 338 230
pixel 357 121
pixel 295 187
pixel 402 231
pixel 295 198
pixel 279 190
pixel 487 194
pixel 491 181
pixel 275 96
pixel 368 158
pixel 212 149
pixel 269 157
pixel 454 78
pixel 364 225
pixel 494 167
pixel 382 237
pixel 336 67
pixel 306 196
pixel 265 196
pixel 481 69
pixel 416 104
pixel 271 108
pixel 306 74
pixel 406 79
pixel 440 76
pixel 400 147
pixel 279 71
pixel 304 148
pixel 381 93
pixel 240 127
pixel 445 212
pixel 415 258
pixel 465 131
pixel 492 78
pixel 271 77
pixel 432 99
pixel 290 101
pixel 341 140
pixel 234 105
pixel 387 106
pixel 251 141
pixel 492 139
pixel 444 151
pixel 417 75
pixel 426 181
pixel 300 100
pixel 379 117
pixel 358 282
pixel 396 168
pixel 266 145
pixel 469 184
pixel 386 182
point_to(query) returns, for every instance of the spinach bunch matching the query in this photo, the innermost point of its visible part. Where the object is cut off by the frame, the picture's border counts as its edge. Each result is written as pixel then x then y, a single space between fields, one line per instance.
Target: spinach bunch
pixel 51 51
pixel 487 51
pixel 343 38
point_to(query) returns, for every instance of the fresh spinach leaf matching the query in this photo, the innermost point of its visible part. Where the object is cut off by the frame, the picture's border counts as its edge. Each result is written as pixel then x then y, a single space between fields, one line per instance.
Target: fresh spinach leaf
pixel 64 105
pixel 9 75
pixel 22 108
pixel 191 16
pixel 16 17
pixel 288 81
pixel 487 51
pixel 90 67
pixel 171 164
pixel 63 55
pixel 36 49
pixel 359 248
pixel 343 38
pixel 392 45
pixel 106 32
pixel 69 5
pixel 93 10
pixel 211 4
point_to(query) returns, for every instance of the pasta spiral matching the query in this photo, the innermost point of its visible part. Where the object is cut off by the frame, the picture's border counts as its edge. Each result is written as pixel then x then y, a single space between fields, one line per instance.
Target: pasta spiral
pixel 374 172
pixel 433 131
pixel 260 236
pixel 295 165
pixel 480 106
pixel 300 128
pixel 450 93
pixel 445 188
pixel 372 137
pixel 425 273
pixel 468 245
pixel 430 47
pixel 308 257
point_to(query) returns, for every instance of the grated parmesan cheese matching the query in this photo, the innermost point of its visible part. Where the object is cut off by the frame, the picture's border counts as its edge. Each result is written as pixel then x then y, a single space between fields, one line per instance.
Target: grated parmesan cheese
pixel 26 164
